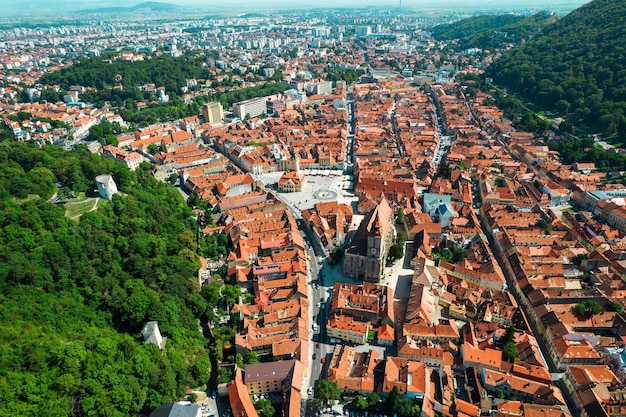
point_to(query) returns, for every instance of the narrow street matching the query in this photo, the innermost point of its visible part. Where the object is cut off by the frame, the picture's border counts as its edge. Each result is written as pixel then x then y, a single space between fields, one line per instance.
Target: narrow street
pixel 514 289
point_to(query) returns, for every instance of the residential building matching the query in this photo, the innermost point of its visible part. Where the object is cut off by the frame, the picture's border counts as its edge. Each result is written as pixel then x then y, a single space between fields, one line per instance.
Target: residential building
pixel 439 208
pixel 523 389
pixel 273 377
pixel 347 329
pixel 250 108
pixel 239 398
pixel 353 371
pixel 409 377
pixel 213 112
pixel 131 159
pixel 322 87
pixel 369 302
pixel 481 358
pixel 329 222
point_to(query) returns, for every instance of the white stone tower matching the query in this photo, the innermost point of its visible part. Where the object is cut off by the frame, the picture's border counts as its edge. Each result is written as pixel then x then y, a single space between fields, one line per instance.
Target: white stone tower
pixel 106 186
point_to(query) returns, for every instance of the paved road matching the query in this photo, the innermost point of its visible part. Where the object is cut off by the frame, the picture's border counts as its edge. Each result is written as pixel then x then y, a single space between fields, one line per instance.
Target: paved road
pixel 514 289
pixel 318 315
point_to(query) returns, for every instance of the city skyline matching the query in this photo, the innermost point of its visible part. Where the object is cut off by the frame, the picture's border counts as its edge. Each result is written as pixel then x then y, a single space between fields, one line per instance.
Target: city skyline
pixel 60 7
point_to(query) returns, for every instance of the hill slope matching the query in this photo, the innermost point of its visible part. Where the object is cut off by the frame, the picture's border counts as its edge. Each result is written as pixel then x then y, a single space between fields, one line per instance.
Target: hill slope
pixel 576 66
pixel 473 25
pixel 74 295
pixel 490 32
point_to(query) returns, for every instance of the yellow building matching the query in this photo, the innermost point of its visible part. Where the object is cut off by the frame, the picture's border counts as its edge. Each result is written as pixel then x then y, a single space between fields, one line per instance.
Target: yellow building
pixel 345 328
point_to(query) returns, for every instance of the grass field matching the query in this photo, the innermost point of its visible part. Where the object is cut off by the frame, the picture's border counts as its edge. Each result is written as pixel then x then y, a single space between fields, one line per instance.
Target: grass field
pixel 74 210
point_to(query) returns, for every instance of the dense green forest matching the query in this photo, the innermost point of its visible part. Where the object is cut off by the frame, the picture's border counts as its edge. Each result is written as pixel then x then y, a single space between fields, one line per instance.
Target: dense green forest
pixel 74 294
pixel 490 32
pixel 473 25
pixel 163 71
pixel 576 66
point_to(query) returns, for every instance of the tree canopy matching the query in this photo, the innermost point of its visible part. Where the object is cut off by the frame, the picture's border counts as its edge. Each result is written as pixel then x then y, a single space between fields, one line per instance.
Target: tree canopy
pixel 492 31
pixel 399 405
pixel 74 294
pixel 575 66
pixel 587 308
pixel 327 391
pixel 102 73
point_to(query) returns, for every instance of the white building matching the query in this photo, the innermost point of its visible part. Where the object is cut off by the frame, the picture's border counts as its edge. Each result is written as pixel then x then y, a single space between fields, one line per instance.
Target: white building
pixel 439 208
pixel 250 108
pixel 106 186
pixel 152 334
pixel 323 87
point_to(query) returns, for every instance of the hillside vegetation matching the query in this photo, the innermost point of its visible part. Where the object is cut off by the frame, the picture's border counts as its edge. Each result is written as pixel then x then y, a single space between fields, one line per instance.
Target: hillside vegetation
pixel 576 66
pixel 74 294
pixel 99 75
pixel 493 31
pixel 163 71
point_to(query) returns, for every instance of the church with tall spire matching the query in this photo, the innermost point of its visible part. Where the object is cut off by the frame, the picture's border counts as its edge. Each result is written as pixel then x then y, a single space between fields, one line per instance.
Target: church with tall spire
pixel 366 254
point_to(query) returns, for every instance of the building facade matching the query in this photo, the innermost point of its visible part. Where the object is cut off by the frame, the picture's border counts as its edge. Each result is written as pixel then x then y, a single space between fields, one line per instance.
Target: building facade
pixel 250 108
pixel 213 112
pixel 365 256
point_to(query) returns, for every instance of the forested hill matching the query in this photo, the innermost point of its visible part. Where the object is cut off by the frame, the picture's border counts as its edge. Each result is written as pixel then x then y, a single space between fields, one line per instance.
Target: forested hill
pixel 576 66
pixel 163 71
pixel 74 294
pixel 493 31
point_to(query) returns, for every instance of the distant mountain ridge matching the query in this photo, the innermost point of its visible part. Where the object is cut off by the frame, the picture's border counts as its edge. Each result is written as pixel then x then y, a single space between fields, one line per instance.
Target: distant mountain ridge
pixel 576 66
pixel 153 6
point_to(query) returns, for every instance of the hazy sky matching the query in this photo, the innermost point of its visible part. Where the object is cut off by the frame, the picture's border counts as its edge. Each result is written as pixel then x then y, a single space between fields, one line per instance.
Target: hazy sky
pixel 250 6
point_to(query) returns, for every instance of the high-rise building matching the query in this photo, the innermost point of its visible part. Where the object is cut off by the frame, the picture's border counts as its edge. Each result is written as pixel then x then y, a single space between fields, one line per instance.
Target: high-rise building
pixel 250 108
pixel 363 31
pixel 213 112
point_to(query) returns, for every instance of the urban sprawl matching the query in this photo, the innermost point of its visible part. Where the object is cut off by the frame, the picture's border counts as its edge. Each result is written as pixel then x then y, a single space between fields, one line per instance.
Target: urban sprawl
pixel 391 233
